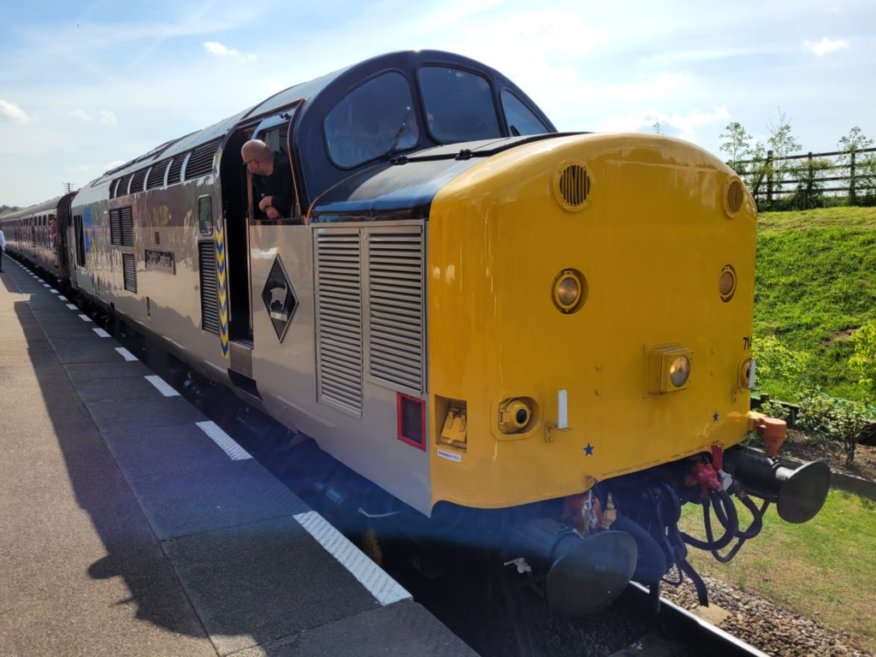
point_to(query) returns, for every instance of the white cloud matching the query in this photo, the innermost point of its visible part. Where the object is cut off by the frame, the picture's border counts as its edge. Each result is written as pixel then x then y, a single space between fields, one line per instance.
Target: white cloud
pixel 13 111
pixel 81 114
pixel 108 118
pixel 825 46
pixel 683 126
pixel 221 50
pixel 216 48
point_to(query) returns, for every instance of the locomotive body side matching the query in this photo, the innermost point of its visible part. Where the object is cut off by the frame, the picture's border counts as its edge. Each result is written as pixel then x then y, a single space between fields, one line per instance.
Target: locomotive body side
pixel 148 269
pixel 317 365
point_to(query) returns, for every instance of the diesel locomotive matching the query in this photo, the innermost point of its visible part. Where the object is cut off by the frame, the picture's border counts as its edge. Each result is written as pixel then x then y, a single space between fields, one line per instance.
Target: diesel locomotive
pixel 540 337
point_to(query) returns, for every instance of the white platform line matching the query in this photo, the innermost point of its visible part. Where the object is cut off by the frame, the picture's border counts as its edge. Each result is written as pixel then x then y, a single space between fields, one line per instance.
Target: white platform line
pixel 54 291
pixel 46 285
pixel 127 355
pixel 163 387
pixel 84 318
pixel 101 333
pixel 224 441
pixel 72 307
pixel 62 297
pixel 383 587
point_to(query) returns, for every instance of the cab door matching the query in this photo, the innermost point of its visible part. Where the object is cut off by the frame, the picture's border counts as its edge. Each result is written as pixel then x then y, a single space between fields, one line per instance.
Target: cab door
pixel 239 222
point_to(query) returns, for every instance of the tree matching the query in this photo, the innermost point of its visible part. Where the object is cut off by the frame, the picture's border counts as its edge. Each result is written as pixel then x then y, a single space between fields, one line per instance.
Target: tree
pixel 737 144
pixel 781 143
pixel 757 169
pixel 850 145
pixel 854 142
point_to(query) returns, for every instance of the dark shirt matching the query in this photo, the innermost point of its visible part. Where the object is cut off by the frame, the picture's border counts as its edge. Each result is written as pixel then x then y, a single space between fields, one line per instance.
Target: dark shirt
pixel 278 186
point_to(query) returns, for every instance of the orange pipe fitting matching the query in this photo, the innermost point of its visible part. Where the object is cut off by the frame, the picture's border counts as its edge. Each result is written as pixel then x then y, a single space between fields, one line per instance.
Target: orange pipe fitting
pixel 773 432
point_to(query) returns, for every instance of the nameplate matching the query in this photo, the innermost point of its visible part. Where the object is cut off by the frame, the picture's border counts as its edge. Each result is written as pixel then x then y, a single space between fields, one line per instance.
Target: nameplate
pixel 160 261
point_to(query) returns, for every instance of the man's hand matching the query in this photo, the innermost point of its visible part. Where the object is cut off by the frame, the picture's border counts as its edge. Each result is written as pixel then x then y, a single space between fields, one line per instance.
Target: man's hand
pixel 272 213
pixel 265 203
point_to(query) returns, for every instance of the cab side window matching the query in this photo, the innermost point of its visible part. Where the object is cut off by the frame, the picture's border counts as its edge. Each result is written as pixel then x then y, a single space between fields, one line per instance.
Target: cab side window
pixel 521 120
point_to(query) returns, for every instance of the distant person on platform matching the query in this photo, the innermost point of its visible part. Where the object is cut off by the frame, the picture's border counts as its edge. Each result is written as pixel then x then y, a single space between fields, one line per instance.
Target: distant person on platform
pixel 272 178
pixel 2 249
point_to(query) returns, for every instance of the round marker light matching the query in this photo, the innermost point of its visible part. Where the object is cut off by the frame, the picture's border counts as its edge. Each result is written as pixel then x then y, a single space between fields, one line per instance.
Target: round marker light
pixel 679 371
pixel 569 290
pixel 727 283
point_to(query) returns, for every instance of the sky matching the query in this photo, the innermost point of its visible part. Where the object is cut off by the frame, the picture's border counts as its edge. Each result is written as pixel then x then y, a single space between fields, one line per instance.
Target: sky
pixel 85 86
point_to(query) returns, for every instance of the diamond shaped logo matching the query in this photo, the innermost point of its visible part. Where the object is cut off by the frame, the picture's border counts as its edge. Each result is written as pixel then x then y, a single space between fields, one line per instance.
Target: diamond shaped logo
pixel 279 298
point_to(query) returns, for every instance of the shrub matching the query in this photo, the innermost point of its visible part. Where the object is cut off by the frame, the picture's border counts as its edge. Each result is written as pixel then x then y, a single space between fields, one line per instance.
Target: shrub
pixel 863 362
pixel 777 362
pixel 832 419
pixel 775 409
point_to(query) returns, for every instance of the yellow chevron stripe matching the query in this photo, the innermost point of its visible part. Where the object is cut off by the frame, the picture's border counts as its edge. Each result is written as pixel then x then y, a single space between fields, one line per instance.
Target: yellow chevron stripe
pixel 222 290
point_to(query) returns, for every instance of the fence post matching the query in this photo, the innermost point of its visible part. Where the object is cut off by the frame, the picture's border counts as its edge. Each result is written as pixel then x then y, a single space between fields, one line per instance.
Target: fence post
pixel 853 196
pixel 809 182
pixel 769 170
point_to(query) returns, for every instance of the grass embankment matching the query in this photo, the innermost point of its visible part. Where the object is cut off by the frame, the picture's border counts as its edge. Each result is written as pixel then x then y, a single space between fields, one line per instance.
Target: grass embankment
pixel 816 284
pixel 823 569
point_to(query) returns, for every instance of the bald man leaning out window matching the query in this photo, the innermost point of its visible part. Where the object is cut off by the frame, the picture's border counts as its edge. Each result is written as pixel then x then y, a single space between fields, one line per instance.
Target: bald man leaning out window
pixel 272 178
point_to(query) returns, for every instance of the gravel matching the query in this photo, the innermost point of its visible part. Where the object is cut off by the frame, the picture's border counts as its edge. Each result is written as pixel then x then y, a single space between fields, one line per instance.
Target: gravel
pixel 765 626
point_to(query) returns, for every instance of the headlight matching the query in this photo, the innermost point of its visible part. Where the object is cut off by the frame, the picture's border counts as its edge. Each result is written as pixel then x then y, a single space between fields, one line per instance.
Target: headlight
pixel 516 414
pixel 668 367
pixel 679 371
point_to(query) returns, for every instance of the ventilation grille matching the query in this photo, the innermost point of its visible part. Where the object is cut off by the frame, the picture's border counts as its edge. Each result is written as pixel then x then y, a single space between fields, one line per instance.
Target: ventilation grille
pixel 201 161
pixel 127 226
pixel 395 306
pixel 114 185
pixel 122 189
pixel 176 169
pixel 115 217
pixel 339 320
pixel 574 186
pixel 209 290
pixel 156 174
pixel 130 270
pixel 137 180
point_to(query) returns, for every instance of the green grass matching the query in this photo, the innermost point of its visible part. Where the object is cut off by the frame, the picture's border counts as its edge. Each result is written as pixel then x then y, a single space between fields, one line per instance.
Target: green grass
pixel 824 569
pixel 815 285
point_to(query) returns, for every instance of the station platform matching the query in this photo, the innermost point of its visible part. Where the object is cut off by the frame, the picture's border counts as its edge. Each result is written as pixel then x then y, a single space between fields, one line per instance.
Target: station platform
pixel 132 525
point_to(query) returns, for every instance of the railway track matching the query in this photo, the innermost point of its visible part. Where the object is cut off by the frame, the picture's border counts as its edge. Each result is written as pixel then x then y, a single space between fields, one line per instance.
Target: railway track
pixel 685 628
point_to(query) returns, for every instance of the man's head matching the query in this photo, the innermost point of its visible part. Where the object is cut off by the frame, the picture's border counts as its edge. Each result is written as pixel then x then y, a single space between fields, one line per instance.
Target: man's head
pixel 258 158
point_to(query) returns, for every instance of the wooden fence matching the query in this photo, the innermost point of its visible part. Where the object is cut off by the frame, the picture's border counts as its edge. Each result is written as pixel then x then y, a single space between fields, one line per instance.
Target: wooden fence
pixel 811 179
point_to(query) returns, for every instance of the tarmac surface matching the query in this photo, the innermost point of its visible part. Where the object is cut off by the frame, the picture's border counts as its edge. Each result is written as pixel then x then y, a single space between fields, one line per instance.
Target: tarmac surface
pixel 132 525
